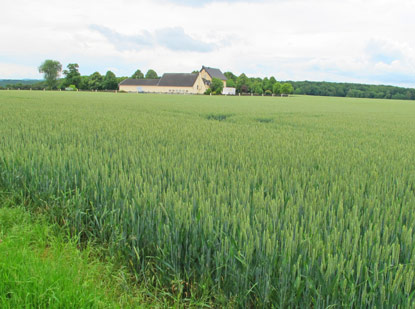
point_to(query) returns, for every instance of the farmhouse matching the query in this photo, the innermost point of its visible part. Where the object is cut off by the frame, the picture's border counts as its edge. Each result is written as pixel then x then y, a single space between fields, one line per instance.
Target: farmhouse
pixel 185 83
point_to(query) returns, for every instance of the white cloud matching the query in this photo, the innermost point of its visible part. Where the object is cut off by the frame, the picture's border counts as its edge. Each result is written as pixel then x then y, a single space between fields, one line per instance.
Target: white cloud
pixel 11 70
pixel 335 40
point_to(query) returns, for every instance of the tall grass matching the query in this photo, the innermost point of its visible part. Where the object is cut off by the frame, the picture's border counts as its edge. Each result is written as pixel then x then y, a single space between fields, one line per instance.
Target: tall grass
pixel 311 208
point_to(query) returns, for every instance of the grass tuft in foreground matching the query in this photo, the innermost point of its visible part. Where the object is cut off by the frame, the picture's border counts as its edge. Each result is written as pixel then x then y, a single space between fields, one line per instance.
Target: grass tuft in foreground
pixel 42 268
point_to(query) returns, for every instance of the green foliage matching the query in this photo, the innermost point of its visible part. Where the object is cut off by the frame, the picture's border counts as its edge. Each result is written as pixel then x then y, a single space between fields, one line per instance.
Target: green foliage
pixel 242 84
pixel 266 84
pixel 298 203
pixel 73 87
pixel 230 75
pixel 230 83
pixel 110 81
pixel 51 70
pixel 72 75
pixel 257 88
pixel 287 88
pixel 353 90
pixel 276 88
pixel 40 268
pixel 151 74
pixel 208 91
pixel 95 81
pixel 216 86
pixel 138 75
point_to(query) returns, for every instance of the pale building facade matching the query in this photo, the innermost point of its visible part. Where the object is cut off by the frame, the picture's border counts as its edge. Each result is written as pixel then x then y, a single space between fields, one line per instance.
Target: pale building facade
pixel 209 73
pixel 179 83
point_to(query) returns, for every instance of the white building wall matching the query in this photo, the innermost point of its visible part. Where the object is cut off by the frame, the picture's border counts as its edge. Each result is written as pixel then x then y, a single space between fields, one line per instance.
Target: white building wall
pixel 229 91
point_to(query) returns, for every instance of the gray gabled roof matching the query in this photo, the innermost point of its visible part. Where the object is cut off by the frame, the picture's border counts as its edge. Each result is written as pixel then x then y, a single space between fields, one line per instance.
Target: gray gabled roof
pixel 178 79
pixel 214 73
pixel 139 82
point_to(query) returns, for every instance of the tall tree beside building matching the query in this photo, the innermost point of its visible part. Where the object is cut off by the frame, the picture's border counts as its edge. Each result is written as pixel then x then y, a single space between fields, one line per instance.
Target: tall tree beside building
pixel 138 75
pixel 151 74
pixel 230 75
pixel 230 83
pixel 216 86
pixel 110 81
pixel 51 70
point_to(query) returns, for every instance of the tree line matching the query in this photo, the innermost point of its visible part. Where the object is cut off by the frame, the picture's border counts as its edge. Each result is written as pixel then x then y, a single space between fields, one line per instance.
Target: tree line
pixel 73 79
pixel 257 85
pixel 244 85
pixel 353 90
pixel 270 85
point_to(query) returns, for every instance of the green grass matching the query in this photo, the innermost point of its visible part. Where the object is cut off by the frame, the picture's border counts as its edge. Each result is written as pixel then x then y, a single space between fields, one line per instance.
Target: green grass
pixel 39 271
pixel 41 267
pixel 284 202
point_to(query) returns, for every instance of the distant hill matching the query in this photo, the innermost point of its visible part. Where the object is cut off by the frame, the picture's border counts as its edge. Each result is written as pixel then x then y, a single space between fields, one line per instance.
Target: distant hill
pixel 4 82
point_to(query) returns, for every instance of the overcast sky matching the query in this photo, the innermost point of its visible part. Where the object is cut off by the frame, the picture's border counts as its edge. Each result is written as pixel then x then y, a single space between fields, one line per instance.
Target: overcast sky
pixel 368 41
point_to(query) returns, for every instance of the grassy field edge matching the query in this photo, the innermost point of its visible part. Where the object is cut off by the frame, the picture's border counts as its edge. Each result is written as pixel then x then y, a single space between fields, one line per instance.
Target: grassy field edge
pixel 42 266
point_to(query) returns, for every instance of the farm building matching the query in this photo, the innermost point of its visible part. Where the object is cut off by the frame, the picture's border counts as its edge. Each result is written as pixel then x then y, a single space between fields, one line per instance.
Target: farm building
pixel 209 73
pixel 185 83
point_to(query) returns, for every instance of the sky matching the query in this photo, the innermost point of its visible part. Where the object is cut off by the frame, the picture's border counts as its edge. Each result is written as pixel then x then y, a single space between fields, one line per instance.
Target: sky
pixel 365 41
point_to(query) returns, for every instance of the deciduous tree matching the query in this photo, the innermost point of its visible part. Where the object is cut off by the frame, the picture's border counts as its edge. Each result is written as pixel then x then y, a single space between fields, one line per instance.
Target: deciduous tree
pixel 230 83
pixel 138 75
pixel 242 83
pixel 51 70
pixel 110 81
pixel 287 88
pixel 216 86
pixel 276 88
pixel 151 74
pixel 95 81
pixel 72 75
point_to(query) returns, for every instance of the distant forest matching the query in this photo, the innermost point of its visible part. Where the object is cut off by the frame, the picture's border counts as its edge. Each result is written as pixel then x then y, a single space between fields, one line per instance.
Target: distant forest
pixel 11 82
pixel 270 85
pixel 353 90
pixel 242 83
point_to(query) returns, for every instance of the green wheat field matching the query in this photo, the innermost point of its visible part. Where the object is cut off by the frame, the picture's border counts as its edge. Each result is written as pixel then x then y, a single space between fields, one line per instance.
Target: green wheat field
pixel 251 201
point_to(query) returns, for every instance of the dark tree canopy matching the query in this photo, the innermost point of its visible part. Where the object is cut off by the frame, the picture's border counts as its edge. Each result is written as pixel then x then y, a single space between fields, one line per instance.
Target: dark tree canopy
pixel 242 83
pixel 138 75
pixel 51 70
pixel 230 75
pixel 216 86
pixel 230 83
pixel 95 81
pixel 72 75
pixel 151 74
pixel 110 81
